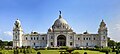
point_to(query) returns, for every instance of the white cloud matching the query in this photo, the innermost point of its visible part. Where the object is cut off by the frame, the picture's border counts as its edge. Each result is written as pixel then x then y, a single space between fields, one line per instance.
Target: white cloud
pixel 117 27
pixel 8 33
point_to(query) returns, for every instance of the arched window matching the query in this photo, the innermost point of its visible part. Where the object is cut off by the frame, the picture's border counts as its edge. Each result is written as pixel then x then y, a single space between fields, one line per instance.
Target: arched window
pixel 70 43
pixel 26 38
pixel 51 37
pixel 37 38
pixel 42 38
pixel 89 38
pixel 86 44
pixel 84 38
pixel 103 37
pixel 34 38
pixel 15 37
pixel 31 38
pixel 94 38
pixel 34 44
pixel 51 43
pixel 78 38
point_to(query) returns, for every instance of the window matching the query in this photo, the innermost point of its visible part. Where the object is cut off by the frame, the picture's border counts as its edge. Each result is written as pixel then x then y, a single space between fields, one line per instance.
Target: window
pixel 78 38
pixel 42 38
pixel 89 38
pixel 70 37
pixel 86 44
pixel 26 38
pixel 34 38
pixel 37 38
pixel 104 32
pixel 84 38
pixel 104 37
pixel 51 37
pixel 34 44
pixel 94 38
pixel 70 43
pixel 16 37
pixel 31 38
pixel 51 43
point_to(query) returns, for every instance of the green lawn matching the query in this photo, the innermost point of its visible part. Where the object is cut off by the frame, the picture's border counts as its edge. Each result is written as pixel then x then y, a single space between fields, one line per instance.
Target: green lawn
pixel 56 52
pixel 80 51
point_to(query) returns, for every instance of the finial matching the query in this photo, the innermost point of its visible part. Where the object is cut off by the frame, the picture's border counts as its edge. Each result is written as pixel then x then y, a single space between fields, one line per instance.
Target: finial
pixel 60 15
pixel 102 20
pixel 60 12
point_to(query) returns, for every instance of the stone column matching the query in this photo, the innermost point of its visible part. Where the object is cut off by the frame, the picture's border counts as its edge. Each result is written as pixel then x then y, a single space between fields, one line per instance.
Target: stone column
pixel 48 41
pixel 55 40
pixel 74 40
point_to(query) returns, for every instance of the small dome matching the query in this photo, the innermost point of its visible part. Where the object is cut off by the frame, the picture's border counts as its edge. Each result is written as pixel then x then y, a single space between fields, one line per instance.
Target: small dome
pixel 86 32
pixel 102 24
pixel 17 21
pixel 50 29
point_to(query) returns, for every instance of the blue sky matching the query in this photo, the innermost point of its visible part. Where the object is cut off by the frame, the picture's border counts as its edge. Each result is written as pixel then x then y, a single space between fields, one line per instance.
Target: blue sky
pixel 39 15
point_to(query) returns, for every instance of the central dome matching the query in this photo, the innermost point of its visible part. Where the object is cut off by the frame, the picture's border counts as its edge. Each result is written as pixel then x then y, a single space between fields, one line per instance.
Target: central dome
pixel 60 23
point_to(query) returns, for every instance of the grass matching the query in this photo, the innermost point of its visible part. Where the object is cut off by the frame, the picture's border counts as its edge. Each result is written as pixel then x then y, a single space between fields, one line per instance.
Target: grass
pixel 56 52
pixel 80 51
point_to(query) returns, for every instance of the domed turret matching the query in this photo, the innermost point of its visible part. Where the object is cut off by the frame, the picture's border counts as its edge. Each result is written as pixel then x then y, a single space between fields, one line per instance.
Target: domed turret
pixel 102 28
pixel 102 25
pixel 17 34
pixel 50 30
pixel 17 23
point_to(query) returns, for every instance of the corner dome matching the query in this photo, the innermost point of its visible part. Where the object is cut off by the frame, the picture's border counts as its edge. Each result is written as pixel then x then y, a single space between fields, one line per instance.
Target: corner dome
pixel 17 21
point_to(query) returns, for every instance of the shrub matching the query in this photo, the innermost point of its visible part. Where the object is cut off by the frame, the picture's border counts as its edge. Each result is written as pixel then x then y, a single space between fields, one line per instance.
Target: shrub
pixel 97 49
pixel 24 51
pixel 106 49
pixel 69 50
pixel 117 51
pixel 96 46
pixel 64 47
pixel 27 50
pixel 76 53
pixel 49 48
pixel 38 53
pixel 85 52
pixel 0 52
pixel 20 50
pixel 16 51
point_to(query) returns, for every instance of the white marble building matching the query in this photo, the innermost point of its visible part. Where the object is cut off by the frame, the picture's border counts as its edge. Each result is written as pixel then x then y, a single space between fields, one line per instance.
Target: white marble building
pixel 59 34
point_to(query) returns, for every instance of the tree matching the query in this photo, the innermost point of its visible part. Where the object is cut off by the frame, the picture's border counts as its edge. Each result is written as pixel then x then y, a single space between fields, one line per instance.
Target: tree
pixel 1 42
pixel 10 43
pixel 111 43
pixel 118 45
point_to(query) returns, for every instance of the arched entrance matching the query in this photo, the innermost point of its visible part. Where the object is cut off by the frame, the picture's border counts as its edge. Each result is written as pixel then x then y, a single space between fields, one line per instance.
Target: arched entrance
pixel 61 40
